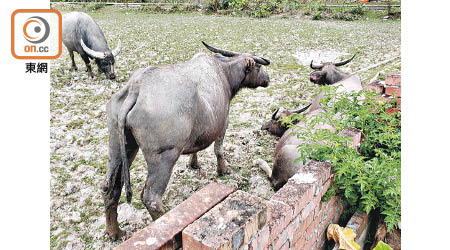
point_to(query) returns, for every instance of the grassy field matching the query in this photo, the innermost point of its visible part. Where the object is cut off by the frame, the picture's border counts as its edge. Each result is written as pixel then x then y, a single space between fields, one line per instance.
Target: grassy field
pixel 79 137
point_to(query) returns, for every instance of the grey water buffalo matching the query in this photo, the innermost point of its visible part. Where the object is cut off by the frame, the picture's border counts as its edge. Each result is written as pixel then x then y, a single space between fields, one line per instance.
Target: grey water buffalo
pixel 286 151
pixel 168 111
pixel 82 34
pixel 275 126
pixel 327 73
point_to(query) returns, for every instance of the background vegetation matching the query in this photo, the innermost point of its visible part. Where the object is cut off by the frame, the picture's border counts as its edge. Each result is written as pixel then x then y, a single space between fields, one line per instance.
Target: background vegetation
pixel 368 179
pixel 322 9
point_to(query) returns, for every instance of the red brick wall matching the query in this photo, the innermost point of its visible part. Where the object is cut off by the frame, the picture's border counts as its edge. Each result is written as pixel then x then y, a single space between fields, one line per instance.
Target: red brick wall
pixel 298 218
pixel 391 87
pixel 294 218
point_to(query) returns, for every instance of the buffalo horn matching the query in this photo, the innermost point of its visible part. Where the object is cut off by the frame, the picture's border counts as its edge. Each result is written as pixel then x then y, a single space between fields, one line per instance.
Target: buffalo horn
pixel 344 62
pixel 93 53
pixel 117 49
pixel 220 51
pixel 260 60
pixel 315 66
pixel 275 114
pixel 302 109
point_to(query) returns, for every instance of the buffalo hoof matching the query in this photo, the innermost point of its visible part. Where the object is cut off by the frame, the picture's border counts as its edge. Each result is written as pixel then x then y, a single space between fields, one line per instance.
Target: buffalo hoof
pixel 224 170
pixel 117 234
pixel 74 68
pixel 156 214
pixel 90 74
pixel 193 162
pixel 193 166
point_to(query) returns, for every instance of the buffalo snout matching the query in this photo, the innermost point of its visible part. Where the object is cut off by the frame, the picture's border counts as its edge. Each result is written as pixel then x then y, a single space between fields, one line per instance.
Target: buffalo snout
pixel 314 77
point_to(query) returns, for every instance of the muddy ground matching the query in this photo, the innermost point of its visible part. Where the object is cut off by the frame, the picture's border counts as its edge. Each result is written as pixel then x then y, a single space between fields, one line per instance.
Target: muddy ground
pixel 78 133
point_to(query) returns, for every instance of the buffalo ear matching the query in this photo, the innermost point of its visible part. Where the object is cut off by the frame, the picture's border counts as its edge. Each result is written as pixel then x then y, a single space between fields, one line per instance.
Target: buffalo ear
pixel 250 63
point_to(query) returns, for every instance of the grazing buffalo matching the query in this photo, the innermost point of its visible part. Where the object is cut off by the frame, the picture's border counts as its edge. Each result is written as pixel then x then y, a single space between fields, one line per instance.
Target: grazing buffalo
pixel 286 151
pixel 327 73
pixel 168 111
pixel 82 34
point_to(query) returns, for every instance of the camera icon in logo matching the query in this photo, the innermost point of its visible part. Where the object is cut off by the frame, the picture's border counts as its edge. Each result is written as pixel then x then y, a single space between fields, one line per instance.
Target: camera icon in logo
pixel 36 34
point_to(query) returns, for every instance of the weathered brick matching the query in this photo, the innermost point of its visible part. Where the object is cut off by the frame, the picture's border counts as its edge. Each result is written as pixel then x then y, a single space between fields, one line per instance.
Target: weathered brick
pixel 316 169
pixel 166 231
pixel 295 195
pixel 280 215
pixel 320 243
pixel 253 245
pixel 280 240
pixel 292 227
pixel 393 80
pixel 375 86
pixel 303 226
pixel 393 91
pixel 285 246
pixel 339 210
pixel 354 134
pixel 330 213
pixel 358 223
pixel 311 240
pixel 392 110
pixel 322 235
pixel 325 187
pixel 324 224
pixel 306 211
pixel 229 225
pixel 300 244
pixel 263 237
pixel 318 212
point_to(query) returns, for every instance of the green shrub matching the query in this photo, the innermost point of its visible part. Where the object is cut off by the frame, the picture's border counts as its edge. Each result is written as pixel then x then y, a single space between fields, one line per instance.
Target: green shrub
pixel 358 10
pixel 318 11
pixel 317 15
pixel 368 179
pixel 237 4
pixel 313 7
pixel 264 8
pixel 95 6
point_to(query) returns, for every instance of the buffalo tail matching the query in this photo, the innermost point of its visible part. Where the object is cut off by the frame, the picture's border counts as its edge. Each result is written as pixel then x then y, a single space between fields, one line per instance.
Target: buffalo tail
pixel 125 108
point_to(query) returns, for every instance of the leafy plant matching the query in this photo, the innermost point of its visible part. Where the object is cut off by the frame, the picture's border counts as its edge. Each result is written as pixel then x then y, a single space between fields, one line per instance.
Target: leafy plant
pixel 95 6
pixel 237 4
pixel 382 246
pixel 318 10
pixel 264 8
pixel 367 179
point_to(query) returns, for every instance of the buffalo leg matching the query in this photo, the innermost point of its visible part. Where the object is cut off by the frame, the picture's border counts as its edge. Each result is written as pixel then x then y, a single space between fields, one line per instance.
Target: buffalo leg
pixel 160 167
pixel 74 66
pixel 222 168
pixel 87 61
pixel 112 186
pixel 193 162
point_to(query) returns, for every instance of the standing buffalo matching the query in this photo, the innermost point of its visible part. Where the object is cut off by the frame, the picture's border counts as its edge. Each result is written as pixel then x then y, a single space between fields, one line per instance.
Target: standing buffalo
pixel 327 73
pixel 168 111
pixel 286 151
pixel 82 34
